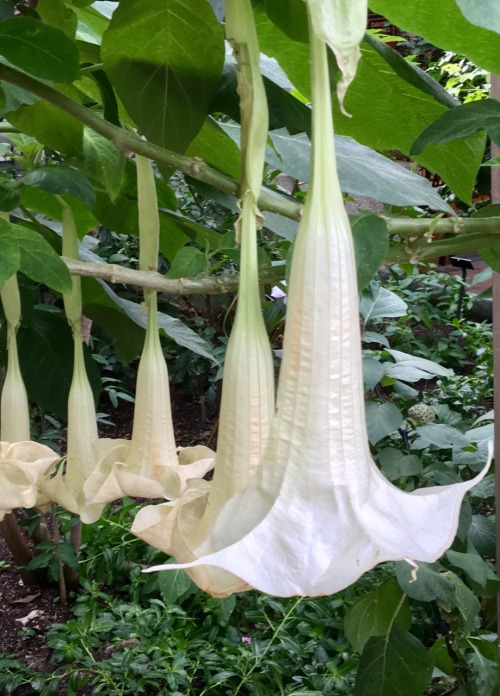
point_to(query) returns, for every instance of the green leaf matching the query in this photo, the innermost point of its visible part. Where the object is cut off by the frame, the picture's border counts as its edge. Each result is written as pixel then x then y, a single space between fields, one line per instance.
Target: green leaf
pixel 429 584
pixel 188 262
pixel 58 179
pixel 377 121
pixel 39 261
pixel 411 73
pixel 381 304
pixel 463 599
pixel 373 371
pixel 371 242
pixel 482 535
pixel 441 436
pixel 395 464
pixel 50 126
pixel 46 357
pixel 174 328
pixel 214 146
pixel 373 614
pixel 381 420
pixel 471 563
pixel 59 15
pixel 460 122
pixel 165 58
pixel 445 26
pixel 10 256
pixel 485 14
pixel 103 161
pixel 39 49
pixel 37 200
pixel 122 215
pixel 484 674
pixel 12 97
pixel 175 585
pixel 362 171
pixel 393 665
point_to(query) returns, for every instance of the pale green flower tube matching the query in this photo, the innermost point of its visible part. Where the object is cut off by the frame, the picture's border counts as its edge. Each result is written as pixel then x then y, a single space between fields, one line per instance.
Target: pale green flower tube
pixel 318 513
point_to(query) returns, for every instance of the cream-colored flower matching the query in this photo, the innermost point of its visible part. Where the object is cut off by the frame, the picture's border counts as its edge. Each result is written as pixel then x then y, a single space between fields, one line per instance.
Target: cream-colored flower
pixel 151 467
pixel 317 513
pixel 22 462
pixel 183 528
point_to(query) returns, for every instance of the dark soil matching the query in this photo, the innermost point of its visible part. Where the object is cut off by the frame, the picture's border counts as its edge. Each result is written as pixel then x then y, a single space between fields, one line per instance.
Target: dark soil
pixel 27 612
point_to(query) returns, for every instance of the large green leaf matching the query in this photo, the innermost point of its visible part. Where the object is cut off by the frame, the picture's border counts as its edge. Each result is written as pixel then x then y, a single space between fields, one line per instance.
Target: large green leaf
pixel 213 145
pixel 59 15
pixel 165 58
pixel 461 122
pixel 428 585
pixel 482 13
pixel 444 25
pixel 10 256
pixel 174 328
pixel 374 613
pixel 393 665
pixel 371 241
pixel 122 216
pixel 362 171
pixel 37 200
pixel 382 420
pixel 103 161
pixel 39 49
pixel 378 120
pixel 50 126
pixel 46 357
pixel 57 179
pixel 39 261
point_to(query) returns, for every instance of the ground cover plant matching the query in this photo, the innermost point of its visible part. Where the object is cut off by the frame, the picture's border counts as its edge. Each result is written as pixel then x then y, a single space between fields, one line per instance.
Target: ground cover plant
pixel 306 496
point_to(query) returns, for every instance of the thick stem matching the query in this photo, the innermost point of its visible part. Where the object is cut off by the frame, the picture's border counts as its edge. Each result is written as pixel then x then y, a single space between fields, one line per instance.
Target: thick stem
pixel 20 550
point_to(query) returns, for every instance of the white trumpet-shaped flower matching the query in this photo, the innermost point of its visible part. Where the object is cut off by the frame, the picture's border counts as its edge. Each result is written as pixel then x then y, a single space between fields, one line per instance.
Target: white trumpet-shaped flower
pixel 151 467
pixel 183 528
pixel 85 451
pixel 317 513
pixel 22 462
pixel 64 483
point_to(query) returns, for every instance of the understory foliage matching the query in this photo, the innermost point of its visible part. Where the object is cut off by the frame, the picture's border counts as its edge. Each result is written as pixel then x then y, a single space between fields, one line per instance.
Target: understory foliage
pixel 111 112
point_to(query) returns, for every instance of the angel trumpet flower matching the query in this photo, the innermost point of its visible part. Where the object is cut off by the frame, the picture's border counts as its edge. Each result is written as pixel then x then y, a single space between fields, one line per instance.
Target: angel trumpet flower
pixel 85 451
pixel 183 528
pixel 151 468
pixel 317 513
pixel 22 462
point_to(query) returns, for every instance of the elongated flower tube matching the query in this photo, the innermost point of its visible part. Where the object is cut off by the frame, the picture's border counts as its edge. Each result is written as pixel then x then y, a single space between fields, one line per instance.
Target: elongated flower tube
pixel 183 528
pixel 15 417
pixel 341 24
pixel 22 462
pixel 65 483
pixel 152 468
pixel 318 513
